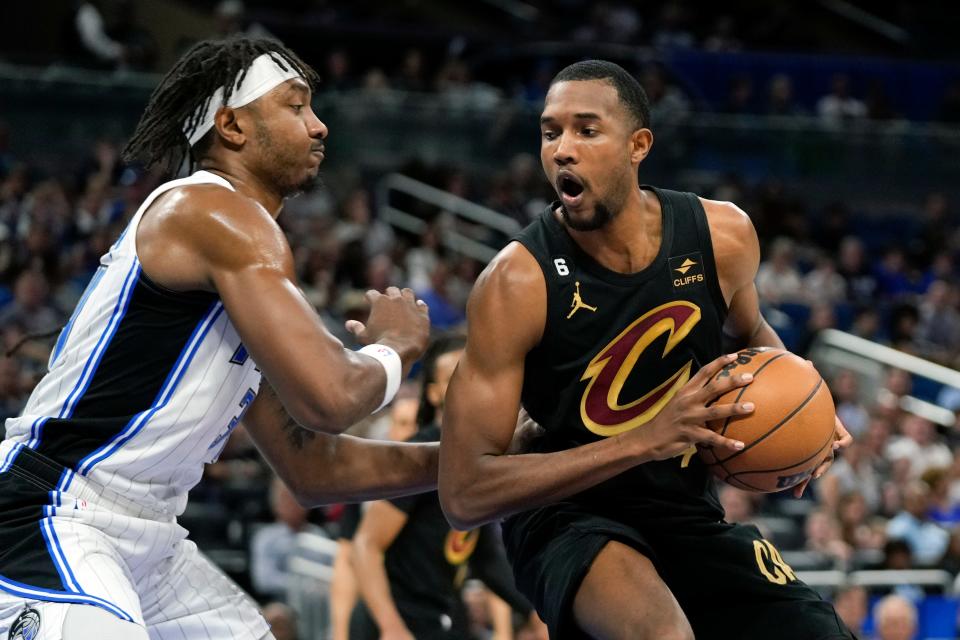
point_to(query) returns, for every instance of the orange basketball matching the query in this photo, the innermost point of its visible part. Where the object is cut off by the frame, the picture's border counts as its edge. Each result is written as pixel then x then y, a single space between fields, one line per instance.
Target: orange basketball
pixel 790 431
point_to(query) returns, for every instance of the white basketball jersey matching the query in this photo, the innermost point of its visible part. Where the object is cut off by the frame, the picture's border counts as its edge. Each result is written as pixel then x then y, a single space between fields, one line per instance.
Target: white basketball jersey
pixel 144 383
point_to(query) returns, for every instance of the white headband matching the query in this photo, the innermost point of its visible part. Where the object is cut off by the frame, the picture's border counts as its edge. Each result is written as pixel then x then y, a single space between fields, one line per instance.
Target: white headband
pixel 263 74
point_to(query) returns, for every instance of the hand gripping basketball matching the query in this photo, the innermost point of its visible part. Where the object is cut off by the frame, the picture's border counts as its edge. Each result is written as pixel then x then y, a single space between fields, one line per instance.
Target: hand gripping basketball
pixel 682 422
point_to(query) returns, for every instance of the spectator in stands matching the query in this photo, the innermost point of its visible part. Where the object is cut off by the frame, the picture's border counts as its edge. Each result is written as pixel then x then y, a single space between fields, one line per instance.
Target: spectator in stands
pixel 856 527
pixel 853 472
pixel 32 307
pixel 272 544
pixel 737 505
pixel 667 104
pixel 891 272
pixel 445 313
pixel 740 96
pixel 921 445
pixel 851 605
pixel 778 279
pixel 855 269
pixel 821 318
pixel 846 397
pixel 232 20
pixel 839 106
pixel 411 76
pixel 13 392
pixel 780 100
pixel 823 539
pixel 358 224
pixel 282 620
pixel 671 30
pixel 823 283
pixel 723 37
pixel 944 509
pixel 926 539
pixel 896 618
pixel 938 332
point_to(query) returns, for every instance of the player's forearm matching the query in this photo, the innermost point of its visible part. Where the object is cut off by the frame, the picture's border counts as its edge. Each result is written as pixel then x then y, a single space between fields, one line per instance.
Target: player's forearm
pixel 765 336
pixel 374 585
pixel 490 487
pixel 322 469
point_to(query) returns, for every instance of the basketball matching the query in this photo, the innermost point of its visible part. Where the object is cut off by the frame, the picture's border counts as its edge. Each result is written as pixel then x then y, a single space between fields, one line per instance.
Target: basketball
pixel 790 431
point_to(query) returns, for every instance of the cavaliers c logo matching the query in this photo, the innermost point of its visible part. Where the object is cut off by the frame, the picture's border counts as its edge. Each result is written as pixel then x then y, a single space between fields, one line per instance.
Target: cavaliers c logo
pixel 460 545
pixel 600 406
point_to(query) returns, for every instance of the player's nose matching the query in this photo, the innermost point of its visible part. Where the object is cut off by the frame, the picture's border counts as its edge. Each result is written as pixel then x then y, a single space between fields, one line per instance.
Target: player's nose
pixel 565 152
pixel 316 127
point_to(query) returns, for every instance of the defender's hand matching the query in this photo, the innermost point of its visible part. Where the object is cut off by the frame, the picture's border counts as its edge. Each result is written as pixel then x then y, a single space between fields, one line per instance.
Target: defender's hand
pixel 682 422
pixel 842 440
pixel 396 319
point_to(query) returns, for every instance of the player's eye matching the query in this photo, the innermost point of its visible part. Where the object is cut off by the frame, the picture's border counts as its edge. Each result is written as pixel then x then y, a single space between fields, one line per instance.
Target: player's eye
pixel 549 135
pixel 297 107
pixel 589 131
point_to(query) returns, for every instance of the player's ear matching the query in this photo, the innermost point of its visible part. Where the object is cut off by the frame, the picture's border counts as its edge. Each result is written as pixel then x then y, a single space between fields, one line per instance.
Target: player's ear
pixel 229 126
pixel 641 141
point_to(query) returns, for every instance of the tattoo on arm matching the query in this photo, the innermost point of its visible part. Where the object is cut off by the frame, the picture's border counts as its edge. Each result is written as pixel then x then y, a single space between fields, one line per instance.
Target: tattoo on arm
pixel 297 436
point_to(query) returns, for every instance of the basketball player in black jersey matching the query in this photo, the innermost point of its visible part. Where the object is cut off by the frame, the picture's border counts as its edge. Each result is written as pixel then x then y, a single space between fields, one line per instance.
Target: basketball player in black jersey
pixel 605 319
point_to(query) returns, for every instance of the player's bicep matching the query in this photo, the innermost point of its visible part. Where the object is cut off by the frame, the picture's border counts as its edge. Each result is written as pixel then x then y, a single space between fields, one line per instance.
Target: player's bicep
pixel 743 314
pixel 249 263
pixel 505 315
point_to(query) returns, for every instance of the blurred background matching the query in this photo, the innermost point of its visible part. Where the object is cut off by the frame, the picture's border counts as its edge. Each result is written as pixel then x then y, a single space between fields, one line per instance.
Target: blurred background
pixel 834 124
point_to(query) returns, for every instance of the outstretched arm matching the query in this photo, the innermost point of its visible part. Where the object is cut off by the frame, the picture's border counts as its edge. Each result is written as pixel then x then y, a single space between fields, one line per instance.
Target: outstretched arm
pixel 320 468
pixel 479 481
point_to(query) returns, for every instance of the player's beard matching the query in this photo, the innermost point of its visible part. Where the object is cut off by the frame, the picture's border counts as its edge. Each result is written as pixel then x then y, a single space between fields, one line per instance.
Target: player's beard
pixel 601 217
pixel 285 172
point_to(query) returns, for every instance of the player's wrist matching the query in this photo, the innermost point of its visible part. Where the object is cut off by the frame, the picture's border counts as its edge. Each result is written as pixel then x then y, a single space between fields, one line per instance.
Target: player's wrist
pixel 388 358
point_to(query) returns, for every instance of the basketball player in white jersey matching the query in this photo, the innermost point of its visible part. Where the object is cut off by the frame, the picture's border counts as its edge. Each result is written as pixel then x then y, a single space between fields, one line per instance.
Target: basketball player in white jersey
pixel 163 357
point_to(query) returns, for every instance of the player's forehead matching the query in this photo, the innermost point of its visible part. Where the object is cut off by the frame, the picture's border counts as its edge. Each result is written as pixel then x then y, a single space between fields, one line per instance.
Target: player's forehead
pixel 294 88
pixel 597 99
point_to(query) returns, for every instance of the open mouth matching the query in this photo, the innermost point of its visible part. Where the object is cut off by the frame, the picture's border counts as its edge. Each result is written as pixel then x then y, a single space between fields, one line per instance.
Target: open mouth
pixel 570 188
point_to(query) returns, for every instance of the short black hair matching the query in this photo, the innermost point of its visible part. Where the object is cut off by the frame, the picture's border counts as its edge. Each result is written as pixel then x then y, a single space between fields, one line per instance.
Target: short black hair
pixel 183 93
pixel 631 94
pixel 441 344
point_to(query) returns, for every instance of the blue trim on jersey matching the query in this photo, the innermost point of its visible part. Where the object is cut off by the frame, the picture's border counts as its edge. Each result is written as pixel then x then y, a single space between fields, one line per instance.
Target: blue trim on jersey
pixel 57 563
pixel 36 432
pixel 11 456
pixel 49 595
pixel 65 333
pixel 166 392
pixel 119 310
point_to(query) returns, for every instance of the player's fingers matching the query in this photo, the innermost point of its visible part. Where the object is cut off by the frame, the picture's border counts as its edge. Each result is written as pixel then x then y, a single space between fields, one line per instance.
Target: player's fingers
pixel 372 295
pixel 844 439
pixel 723 411
pixel 407 294
pixel 800 488
pixel 823 466
pixel 355 327
pixel 423 305
pixel 719 386
pixel 713 439
pixel 709 370
pixel 393 292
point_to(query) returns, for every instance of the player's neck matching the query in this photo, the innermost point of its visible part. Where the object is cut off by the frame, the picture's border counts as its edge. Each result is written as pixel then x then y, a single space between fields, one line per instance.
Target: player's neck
pixel 631 240
pixel 248 184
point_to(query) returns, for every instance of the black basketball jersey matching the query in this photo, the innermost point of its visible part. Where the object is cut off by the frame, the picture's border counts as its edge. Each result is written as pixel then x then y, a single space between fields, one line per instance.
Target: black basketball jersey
pixel 616 347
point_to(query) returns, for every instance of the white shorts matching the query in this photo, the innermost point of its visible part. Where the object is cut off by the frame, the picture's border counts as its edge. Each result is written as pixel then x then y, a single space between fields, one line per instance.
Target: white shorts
pixel 91 546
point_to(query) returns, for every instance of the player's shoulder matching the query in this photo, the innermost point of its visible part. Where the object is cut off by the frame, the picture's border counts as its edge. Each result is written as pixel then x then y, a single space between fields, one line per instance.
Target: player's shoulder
pixel 510 296
pixel 514 270
pixel 730 227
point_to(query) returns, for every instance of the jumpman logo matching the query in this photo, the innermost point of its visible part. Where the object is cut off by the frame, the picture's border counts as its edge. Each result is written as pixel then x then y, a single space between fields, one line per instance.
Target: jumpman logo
pixel 578 303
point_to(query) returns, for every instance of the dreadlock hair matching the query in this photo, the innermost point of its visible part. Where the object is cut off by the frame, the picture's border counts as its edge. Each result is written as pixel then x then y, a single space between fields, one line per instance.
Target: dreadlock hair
pixel 185 91
pixel 631 93
pixel 442 344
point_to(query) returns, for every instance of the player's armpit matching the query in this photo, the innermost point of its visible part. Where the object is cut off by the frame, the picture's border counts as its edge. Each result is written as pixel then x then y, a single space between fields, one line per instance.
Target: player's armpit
pixel 321 468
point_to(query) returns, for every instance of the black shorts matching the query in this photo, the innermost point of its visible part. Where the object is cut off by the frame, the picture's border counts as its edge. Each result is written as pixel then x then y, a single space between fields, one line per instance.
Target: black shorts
pixel 730 582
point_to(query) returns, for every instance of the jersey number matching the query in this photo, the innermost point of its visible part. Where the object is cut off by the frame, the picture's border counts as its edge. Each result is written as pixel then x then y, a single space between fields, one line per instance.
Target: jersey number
pixel 561 266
